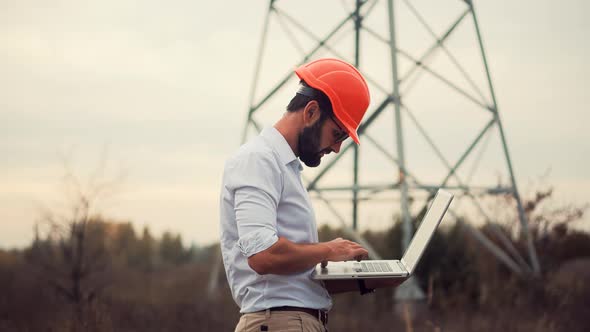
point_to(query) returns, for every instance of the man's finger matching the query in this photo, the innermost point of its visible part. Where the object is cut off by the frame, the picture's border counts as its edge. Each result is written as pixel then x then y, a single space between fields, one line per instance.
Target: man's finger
pixel 360 252
pixel 324 264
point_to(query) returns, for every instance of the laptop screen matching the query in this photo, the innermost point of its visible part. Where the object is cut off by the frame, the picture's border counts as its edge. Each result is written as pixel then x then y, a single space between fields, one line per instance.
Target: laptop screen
pixel 433 216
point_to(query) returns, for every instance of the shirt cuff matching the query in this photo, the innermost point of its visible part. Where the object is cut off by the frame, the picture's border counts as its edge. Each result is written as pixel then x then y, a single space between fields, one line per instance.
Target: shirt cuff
pixel 257 241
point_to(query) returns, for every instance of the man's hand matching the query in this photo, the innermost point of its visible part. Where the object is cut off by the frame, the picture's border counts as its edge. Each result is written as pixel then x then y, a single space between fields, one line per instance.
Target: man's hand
pixel 344 250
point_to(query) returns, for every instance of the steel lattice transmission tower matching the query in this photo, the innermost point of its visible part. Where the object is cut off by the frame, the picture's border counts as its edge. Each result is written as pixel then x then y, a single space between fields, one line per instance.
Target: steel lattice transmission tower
pixel 392 72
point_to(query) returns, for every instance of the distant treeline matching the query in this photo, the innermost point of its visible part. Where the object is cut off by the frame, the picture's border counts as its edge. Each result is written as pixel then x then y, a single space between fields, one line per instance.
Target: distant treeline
pixel 99 275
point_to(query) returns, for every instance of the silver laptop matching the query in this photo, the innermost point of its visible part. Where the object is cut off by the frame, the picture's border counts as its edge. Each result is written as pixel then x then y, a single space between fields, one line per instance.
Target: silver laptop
pixel 393 268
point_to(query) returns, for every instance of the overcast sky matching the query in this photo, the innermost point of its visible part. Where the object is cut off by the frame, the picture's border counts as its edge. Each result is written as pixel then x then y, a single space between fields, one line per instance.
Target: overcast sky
pixel 164 88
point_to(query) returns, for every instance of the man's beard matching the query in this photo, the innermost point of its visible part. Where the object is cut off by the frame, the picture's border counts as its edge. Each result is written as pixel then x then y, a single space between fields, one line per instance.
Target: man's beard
pixel 309 145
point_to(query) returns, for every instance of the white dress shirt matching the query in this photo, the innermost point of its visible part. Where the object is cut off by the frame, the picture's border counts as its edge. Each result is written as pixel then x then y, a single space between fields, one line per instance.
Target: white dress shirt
pixel 263 198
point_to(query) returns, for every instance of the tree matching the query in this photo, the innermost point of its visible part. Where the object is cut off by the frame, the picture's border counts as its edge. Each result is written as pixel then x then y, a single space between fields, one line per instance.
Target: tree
pixel 73 257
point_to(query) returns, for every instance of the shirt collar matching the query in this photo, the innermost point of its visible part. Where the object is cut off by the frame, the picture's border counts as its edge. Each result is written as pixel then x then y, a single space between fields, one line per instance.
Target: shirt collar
pixel 280 145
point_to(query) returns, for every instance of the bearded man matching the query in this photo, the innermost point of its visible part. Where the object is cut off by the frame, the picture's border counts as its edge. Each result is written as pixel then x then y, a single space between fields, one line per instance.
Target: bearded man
pixel 269 238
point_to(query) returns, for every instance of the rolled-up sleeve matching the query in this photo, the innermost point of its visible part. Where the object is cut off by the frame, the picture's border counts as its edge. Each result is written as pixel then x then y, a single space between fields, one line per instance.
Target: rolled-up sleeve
pixel 256 185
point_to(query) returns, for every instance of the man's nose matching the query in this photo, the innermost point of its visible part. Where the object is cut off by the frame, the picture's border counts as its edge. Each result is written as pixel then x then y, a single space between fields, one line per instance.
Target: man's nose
pixel 336 147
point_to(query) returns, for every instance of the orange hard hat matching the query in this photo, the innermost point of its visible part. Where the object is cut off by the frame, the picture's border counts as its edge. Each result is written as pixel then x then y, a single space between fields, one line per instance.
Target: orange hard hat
pixel 345 87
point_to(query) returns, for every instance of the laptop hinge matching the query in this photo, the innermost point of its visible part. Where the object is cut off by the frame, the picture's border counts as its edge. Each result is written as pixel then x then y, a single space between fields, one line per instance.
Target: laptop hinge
pixel 402 265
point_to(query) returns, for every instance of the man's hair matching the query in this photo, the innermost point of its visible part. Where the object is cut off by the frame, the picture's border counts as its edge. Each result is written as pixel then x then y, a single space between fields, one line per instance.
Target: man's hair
pixel 299 101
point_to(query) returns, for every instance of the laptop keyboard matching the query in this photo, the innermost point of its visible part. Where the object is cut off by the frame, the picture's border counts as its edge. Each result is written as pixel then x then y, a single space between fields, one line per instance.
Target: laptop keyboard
pixel 372 267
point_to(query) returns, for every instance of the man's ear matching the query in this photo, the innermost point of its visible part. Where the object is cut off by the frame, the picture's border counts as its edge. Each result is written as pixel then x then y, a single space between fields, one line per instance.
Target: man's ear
pixel 311 113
